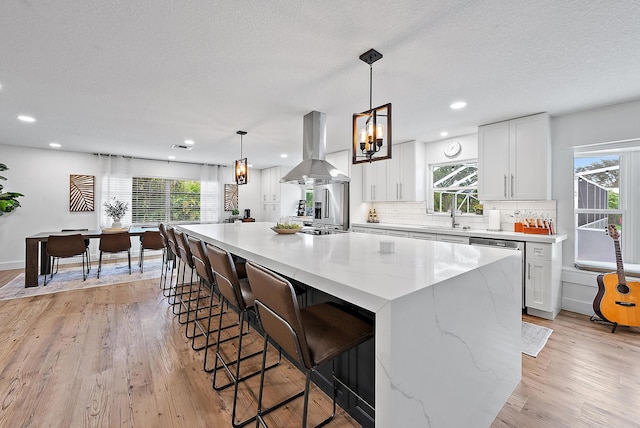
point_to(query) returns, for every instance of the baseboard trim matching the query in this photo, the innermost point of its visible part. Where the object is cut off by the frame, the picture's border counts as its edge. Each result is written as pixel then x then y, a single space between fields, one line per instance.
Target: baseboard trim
pixel 578 306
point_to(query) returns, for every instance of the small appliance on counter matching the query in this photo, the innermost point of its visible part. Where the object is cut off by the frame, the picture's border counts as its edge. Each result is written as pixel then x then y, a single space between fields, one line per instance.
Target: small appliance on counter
pixel 247 213
pixel 301 208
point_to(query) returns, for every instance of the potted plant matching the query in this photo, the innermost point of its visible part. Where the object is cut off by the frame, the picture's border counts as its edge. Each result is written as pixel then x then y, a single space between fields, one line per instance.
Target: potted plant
pixel 116 210
pixel 8 200
pixel 235 213
pixel 478 208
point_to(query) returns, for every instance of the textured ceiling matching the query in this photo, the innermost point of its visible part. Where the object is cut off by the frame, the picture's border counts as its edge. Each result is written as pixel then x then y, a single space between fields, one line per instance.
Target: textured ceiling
pixel 135 77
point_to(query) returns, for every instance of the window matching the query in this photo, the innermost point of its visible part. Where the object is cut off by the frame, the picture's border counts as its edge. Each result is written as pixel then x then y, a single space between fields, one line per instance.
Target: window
pixel 164 200
pixel 603 196
pixel 455 182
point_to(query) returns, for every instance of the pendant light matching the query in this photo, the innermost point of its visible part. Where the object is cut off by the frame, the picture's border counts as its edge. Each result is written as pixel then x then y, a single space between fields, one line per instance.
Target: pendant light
pixel 241 169
pixel 372 128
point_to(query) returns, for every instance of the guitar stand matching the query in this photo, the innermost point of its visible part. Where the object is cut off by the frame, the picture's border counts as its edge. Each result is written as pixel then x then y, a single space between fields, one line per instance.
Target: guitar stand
pixel 595 318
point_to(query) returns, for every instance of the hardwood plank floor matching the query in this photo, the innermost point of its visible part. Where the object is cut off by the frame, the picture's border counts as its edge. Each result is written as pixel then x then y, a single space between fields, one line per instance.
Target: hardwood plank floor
pixel 116 356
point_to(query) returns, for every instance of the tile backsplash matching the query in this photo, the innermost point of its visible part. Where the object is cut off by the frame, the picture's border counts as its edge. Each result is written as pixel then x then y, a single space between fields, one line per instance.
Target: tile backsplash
pixel 416 213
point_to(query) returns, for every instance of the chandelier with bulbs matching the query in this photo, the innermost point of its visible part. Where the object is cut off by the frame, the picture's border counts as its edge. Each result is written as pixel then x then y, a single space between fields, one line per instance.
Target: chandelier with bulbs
pixel 372 128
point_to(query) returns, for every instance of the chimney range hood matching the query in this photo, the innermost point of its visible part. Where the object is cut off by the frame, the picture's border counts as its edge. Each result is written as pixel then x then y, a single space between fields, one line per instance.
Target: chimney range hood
pixel 314 169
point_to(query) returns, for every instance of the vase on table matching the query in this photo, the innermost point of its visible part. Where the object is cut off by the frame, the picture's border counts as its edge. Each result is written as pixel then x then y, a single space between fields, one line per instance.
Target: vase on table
pixel 116 224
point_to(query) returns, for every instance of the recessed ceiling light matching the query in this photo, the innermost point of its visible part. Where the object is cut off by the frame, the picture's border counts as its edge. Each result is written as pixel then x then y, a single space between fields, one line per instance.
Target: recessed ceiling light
pixel 27 119
pixel 444 133
pixel 284 155
pixel 458 105
pixel 171 157
pixel 55 145
pixel 189 142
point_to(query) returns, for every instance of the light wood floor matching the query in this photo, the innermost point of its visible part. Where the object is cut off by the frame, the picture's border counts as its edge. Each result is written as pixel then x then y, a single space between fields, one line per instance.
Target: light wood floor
pixel 116 356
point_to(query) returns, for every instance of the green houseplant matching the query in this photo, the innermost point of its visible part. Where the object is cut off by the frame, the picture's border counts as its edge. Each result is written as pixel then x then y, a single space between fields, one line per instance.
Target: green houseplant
pixel 116 210
pixel 8 200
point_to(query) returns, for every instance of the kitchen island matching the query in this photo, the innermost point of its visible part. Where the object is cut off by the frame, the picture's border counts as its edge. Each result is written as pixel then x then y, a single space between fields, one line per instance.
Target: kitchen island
pixel 447 316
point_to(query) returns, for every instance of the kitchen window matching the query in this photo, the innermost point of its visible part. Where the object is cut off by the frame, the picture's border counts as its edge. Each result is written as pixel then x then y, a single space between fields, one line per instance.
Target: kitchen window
pixel 455 182
pixel 602 197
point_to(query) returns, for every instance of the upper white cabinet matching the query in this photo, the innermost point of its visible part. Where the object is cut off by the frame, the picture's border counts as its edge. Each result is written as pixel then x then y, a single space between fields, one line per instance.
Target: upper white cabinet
pixel 340 160
pixel 514 160
pixel 270 192
pixel 401 178
pixel 374 181
pixel 406 173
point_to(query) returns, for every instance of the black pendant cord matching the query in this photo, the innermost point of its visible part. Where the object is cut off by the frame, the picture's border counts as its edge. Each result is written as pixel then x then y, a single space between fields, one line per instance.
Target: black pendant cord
pixel 370 87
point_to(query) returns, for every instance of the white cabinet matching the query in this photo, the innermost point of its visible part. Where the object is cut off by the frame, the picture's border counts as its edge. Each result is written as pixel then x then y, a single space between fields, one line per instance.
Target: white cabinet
pixel 543 287
pixel 406 172
pixel 422 235
pixel 340 160
pixel 374 181
pixel 514 161
pixel 414 235
pixel 371 230
pixel 456 239
pixel 270 191
pixel 277 199
pixel 401 178
pixel 400 233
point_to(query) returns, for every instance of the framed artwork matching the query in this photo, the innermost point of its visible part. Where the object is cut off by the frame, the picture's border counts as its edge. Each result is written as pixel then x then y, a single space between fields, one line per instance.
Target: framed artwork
pixel 81 193
pixel 230 197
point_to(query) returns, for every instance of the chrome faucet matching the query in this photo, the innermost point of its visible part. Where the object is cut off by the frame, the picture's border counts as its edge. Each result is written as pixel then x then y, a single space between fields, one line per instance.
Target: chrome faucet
pixel 453 217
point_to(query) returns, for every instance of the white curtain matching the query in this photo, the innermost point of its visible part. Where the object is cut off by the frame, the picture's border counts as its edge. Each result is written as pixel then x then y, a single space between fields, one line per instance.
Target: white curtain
pixel 209 194
pixel 116 182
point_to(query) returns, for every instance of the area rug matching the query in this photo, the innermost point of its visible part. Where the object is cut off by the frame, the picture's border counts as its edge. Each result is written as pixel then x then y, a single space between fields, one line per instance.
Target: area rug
pixel 534 337
pixel 70 278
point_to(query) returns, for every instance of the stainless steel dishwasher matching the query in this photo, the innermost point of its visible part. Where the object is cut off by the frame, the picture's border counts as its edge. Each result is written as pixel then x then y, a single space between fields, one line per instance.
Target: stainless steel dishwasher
pixel 509 245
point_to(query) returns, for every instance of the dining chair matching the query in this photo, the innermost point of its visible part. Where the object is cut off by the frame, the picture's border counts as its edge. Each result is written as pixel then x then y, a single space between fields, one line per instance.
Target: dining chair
pixel 63 246
pixel 87 242
pixel 116 242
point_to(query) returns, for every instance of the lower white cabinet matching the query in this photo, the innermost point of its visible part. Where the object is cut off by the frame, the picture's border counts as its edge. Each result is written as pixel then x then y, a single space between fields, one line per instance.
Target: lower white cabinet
pixel 371 230
pixel 423 236
pixel 453 238
pixel 400 233
pixel 543 286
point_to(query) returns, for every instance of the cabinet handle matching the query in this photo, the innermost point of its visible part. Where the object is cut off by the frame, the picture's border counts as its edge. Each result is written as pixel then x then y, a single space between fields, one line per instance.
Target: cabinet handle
pixel 505 186
pixel 374 192
pixel 512 185
pixel 400 191
pixel 529 270
pixel 397 191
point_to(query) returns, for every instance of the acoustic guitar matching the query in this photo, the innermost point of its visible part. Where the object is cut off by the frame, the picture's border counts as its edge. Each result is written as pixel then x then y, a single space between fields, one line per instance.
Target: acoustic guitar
pixel 617 300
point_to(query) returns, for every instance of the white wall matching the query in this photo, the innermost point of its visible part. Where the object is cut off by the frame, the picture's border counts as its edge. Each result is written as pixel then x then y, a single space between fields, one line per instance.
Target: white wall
pixel 43 177
pixel 607 124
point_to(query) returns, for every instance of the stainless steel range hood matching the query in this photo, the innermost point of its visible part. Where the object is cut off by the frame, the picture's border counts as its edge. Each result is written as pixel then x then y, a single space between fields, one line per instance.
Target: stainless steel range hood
pixel 314 169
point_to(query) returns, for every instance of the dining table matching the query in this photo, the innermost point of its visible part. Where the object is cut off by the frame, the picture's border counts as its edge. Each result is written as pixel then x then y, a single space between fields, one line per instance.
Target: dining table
pixel 37 261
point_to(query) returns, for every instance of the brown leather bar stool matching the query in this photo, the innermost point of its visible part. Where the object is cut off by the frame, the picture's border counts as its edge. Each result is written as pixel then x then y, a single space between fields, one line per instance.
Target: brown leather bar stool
pixel 171 290
pixel 207 280
pixel 312 335
pixel 63 246
pixel 118 242
pixel 237 293
pixel 185 288
pixel 168 258
pixel 150 240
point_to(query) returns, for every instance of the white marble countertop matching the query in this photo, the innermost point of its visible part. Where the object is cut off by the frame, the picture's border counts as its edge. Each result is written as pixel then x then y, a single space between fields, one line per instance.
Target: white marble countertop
pixel 349 266
pixel 480 233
